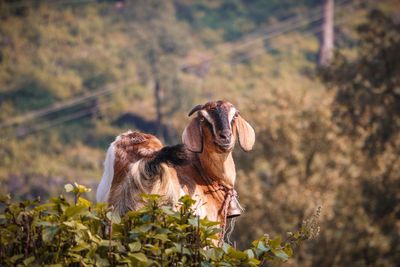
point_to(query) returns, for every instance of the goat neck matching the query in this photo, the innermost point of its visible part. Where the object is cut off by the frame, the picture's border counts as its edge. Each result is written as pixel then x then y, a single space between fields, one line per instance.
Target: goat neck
pixel 218 166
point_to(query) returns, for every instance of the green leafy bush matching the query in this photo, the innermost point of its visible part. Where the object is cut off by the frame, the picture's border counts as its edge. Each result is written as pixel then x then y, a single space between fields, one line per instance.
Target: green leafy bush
pixel 80 233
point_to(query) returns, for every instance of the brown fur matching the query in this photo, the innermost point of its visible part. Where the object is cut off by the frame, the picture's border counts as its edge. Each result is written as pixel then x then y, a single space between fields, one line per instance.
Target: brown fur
pixel 210 173
pixel 129 149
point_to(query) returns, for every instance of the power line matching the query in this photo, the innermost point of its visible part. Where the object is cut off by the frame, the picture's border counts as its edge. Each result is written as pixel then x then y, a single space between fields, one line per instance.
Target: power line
pixel 61 105
pixel 290 25
pixel 284 27
pixel 58 121
pixel 43 126
pixel 68 103
pixel 290 20
pixel 314 30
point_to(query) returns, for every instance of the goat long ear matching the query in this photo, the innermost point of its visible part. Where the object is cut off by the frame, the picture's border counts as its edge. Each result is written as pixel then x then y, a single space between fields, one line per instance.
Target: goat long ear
pixel 192 137
pixel 247 137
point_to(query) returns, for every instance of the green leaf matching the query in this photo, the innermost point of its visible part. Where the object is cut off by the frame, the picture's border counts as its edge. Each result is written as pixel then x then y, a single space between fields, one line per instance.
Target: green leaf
pixel 138 256
pixel 250 253
pixel 145 228
pixel 5 198
pixel 163 231
pixel 169 251
pixel 29 260
pixel 84 202
pixel 205 264
pixel 74 211
pixel 168 210
pixel 261 246
pixel 76 257
pixel 150 197
pixel 101 261
pixel 288 250
pixel 135 246
pixel 194 221
pixel 215 254
pixel 133 214
pixel 275 243
pixel 162 237
pixel 114 217
pixel 280 254
pixel 237 253
pixel 71 224
pixel 226 247
pixel 79 247
pixel 254 262
pixel 206 222
pixel 17 257
pixel 187 200
pixel 107 243
pixel 48 233
pixel 81 188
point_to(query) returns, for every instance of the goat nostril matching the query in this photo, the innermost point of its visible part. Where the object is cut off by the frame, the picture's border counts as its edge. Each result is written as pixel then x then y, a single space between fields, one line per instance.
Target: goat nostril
pixel 225 135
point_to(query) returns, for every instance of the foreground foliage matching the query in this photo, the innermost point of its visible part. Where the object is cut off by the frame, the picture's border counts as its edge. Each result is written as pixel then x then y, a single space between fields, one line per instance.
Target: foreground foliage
pixel 79 232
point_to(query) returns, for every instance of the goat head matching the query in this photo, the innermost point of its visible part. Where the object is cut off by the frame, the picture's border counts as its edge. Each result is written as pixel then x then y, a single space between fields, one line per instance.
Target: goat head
pixel 214 127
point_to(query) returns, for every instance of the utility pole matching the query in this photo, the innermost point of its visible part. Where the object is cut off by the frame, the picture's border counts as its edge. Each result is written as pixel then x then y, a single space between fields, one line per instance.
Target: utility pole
pixel 159 115
pixel 157 92
pixel 325 55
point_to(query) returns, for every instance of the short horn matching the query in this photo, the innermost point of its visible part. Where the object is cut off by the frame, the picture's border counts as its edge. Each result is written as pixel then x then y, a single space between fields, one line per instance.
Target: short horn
pixel 196 108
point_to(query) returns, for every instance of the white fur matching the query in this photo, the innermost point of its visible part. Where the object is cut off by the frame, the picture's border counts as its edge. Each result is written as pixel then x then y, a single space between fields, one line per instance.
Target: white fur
pixel 207 116
pixel 136 176
pixel 232 113
pixel 103 190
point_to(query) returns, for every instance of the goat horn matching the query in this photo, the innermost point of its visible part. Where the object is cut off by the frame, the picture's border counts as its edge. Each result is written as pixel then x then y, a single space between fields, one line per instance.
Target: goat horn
pixel 196 108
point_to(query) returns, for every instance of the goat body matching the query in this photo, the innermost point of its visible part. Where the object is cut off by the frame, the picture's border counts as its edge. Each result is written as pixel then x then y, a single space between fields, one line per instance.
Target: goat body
pixel 203 167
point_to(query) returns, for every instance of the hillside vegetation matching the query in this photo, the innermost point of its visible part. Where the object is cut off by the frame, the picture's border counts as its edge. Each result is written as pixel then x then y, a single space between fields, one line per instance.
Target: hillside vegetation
pixel 323 137
pixel 79 233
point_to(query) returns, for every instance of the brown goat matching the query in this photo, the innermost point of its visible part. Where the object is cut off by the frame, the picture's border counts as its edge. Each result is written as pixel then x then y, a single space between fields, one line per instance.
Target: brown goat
pixel 203 167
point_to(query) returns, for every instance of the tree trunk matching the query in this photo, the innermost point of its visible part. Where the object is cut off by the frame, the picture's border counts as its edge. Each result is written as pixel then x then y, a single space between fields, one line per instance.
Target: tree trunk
pixel 326 42
pixel 159 117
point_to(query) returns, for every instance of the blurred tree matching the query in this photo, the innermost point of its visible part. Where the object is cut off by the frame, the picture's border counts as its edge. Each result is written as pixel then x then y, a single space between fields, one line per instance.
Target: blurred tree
pixel 367 101
pixel 303 158
pixel 367 110
pixel 160 40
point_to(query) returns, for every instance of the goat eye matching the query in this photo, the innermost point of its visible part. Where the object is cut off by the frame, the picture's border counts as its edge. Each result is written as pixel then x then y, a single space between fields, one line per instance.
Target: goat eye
pixel 236 115
pixel 201 118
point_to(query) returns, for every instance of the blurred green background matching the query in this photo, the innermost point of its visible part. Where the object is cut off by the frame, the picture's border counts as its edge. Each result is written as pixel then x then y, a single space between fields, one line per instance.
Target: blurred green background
pixel 76 73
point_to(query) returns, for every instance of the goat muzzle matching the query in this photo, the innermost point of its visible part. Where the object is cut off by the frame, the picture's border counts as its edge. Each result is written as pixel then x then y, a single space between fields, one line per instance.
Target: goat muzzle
pixel 225 135
pixel 224 147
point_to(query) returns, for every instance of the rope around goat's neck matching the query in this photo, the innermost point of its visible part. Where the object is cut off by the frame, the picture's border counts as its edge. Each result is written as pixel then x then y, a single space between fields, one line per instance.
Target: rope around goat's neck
pixel 215 187
pixel 229 193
